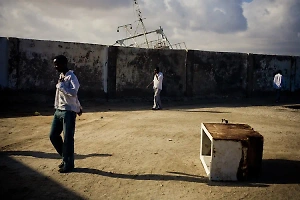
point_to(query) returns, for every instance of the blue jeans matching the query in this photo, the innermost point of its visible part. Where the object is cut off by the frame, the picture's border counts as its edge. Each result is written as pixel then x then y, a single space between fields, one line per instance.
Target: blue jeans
pixel 64 120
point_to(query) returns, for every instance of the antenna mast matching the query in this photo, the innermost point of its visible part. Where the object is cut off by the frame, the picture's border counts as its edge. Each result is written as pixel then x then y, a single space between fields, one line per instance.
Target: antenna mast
pixel 140 19
pixel 161 43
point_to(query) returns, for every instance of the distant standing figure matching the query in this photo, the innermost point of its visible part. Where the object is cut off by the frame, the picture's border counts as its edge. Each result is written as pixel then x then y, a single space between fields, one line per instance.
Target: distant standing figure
pixel 157 87
pixel 278 84
pixel 66 106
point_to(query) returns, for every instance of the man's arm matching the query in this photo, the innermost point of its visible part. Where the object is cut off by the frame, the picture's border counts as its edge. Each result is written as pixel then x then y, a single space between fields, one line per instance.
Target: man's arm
pixel 80 107
pixel 160 77
pixel 70 91
pixel 150 84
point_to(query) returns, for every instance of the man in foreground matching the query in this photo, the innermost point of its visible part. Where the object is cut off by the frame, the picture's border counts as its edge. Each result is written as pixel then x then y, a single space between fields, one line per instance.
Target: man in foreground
pixel 66 107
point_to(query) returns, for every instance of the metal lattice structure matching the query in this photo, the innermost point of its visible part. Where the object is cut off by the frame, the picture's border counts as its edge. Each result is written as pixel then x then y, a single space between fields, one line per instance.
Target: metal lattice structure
pixel 141 38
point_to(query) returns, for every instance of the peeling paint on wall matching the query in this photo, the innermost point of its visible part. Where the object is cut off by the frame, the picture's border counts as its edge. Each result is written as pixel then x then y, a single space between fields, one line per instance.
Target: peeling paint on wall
pixel 265 67
pixel 297 73
pixel 3 62
pixel 13 62
pixel 112 71
pixel 213 73
pixel 31 66
pixel 134 71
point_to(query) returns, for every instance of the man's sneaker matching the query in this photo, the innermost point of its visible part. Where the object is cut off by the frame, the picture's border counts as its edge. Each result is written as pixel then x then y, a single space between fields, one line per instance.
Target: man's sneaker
pixel 61 165
pixel 66 169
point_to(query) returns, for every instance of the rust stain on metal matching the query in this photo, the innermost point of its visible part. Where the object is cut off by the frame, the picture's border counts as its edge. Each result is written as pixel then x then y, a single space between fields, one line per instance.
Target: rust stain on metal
pixel 252 146
pixel 239 132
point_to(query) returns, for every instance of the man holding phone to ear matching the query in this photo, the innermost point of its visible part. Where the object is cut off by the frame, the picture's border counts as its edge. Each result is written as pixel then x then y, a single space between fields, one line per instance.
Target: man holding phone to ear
pixel 66 106
pixel 157 87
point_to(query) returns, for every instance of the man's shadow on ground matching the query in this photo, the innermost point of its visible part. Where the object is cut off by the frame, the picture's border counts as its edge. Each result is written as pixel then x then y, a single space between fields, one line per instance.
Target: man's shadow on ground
pixel 38 154
pixel 274 171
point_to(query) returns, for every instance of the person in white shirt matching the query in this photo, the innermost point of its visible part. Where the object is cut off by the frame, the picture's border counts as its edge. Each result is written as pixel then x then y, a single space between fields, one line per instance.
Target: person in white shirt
pixel 278 84
pixel 157 87
pixel 66 106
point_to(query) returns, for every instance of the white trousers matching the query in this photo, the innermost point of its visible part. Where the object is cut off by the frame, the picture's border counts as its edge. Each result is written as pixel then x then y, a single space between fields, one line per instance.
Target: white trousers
pixel 157 101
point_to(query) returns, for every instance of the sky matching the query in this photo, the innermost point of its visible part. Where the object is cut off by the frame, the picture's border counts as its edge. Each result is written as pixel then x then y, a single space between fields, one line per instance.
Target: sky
pixel 246 26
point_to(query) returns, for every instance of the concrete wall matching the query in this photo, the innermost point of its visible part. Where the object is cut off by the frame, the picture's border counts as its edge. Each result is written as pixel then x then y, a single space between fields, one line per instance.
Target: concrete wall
pixel 31 67
pixel 264 68
pixel 26 65
pixel 135 67
pixel 297 74
pixel 213 73
pixel 3 62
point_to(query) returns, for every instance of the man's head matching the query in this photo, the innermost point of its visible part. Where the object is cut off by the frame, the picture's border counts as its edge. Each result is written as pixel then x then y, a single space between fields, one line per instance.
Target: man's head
pixel 156 70
pixel 279 72
pixel 60 63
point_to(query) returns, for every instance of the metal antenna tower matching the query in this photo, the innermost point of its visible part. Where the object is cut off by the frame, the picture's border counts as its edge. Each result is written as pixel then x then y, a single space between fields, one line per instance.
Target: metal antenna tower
pixel 140 19
pixel 161 42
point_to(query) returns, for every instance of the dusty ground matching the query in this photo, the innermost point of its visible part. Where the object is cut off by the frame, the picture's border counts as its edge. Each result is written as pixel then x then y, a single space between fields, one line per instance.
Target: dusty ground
pixel 123 151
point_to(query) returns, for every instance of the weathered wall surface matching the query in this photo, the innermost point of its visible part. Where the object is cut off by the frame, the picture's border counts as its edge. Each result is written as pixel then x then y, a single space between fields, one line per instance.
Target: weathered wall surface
pixel 213 73
pixel 3 62
pixel 297 74
pixel 111 71
pixel 26 65
pixel 135 67
pixel 264 68
pixel 31 67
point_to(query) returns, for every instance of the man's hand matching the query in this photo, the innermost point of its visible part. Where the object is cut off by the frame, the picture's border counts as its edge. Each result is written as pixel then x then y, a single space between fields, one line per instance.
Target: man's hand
pixel 80 112
pixel 149 84
pixel 156 76
pixel 59 85
pixel 61 78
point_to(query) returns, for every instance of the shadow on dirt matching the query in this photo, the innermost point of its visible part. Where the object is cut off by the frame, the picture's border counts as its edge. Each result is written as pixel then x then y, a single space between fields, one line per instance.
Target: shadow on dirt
pixel 25 109
pixel 203 111
pixel 179 176
pixel 293 107
pixel 280 171
pixel 146 177
pixel 274 171
pixel 37 154
pixel 18 181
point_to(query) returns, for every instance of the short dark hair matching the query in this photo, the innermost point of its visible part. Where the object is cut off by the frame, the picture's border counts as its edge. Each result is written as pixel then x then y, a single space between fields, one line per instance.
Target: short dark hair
pixel 61 59
pixel 279 71
pixel 157 69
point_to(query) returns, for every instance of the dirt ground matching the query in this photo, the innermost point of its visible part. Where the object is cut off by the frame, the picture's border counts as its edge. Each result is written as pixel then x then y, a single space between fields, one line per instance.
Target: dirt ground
pixel 124 150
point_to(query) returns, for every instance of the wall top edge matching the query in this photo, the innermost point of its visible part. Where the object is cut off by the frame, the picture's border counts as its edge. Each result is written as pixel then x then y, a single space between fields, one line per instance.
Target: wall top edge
pixel 189 50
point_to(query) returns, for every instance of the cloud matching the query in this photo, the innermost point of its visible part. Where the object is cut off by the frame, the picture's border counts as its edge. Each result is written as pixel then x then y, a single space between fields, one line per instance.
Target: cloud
pixel 250 26
pixel 214 15
pixel 274 25
pixel 89 4
pixel 63 20
pixel 221 17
